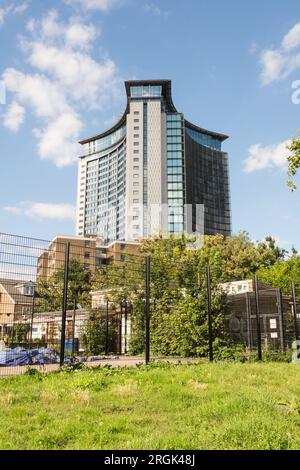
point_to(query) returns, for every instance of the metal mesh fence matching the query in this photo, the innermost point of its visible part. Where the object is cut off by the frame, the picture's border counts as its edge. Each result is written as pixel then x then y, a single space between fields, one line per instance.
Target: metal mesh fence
pixel 64 299
pixel 75 298
pixel 276 318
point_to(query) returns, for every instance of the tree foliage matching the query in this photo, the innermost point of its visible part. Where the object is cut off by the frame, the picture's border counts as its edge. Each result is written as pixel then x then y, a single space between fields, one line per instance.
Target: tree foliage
pixel 293 162
pixel 20 333
pixel 282 273
pixel 93 334
pixel 237 257
pixel 178 288
pixel 49 291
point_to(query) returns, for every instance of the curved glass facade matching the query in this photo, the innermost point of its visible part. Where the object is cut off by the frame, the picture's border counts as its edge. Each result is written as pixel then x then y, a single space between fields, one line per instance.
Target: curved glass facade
pixel 103 143
pixel 208 184
pixel 204 139
pixel 105 190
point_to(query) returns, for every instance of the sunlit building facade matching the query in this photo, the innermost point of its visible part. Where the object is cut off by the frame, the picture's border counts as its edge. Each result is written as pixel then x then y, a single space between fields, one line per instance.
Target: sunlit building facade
pixel 151 172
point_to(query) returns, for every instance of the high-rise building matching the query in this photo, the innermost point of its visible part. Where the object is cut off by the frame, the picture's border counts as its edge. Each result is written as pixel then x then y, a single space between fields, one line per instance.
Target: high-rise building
pixel 151 172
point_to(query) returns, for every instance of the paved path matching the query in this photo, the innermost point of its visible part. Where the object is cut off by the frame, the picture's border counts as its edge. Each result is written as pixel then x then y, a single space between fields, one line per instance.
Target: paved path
pixel 119 362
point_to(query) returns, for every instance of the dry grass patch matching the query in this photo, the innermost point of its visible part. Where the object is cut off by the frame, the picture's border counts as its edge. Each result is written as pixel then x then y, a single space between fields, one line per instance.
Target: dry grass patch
pixel 49 396
pixel 6 399
pixel 129 388
pixel 197 385
pixel 80 395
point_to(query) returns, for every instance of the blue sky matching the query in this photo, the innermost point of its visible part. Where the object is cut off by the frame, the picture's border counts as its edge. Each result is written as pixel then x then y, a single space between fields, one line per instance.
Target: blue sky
pixel 232 65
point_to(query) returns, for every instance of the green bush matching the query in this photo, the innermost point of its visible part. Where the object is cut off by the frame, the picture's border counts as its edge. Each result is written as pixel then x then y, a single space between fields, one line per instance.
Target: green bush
pixel 93 335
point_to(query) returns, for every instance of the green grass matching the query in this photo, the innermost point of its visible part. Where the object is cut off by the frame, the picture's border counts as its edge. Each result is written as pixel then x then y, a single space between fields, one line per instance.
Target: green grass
pixel 218 406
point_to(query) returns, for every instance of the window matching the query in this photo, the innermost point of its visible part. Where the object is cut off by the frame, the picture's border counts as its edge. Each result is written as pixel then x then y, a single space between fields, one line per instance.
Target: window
pixel 136 151
pixel 135 183
pixel 136 112
pixel 136 159
pixel 174 140
pixel 136 136
pixel 136 175
pixel 86 255
pixel 136 128
pixel 172 125
pixel 136 144
pixel 174 117
pixel 136 167
pixel 136 120
pixel 87 243
pixel 146 90
pixel 135 193
pixel 26 310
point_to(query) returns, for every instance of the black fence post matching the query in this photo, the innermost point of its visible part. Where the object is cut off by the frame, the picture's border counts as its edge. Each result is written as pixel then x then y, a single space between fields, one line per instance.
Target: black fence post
pixel 147 323
pixel 106 328
pixel 256 292
pixel 32 315
pixel 125 327
pixel 73 329
pixel 209 317
pixel 249 322
pixel 281 320
pixel 64 305
pixel 295 311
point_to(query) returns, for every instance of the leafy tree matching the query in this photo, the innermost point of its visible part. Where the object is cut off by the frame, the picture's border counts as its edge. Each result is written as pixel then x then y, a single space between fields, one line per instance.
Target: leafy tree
pixel 50 292
pixel 93 335
pixel 20 332
pixel 293 162
pixel 126 283
pixel 178 287
pixel 176 312
pixel 181 328
pixel 282 273
pixel 237 257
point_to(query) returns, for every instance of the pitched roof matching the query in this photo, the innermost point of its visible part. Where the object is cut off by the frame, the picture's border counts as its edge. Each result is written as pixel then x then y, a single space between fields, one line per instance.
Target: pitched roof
pixel 10 286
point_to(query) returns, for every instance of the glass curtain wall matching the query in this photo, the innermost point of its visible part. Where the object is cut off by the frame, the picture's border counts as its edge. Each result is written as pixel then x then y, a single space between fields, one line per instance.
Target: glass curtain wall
pixel 175 166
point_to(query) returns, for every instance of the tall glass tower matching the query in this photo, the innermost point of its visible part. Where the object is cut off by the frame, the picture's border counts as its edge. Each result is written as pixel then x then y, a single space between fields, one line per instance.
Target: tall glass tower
pixel 151 172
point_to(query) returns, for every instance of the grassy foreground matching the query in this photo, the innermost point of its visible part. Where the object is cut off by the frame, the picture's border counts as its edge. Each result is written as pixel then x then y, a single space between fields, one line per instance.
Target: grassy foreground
pixel 218 406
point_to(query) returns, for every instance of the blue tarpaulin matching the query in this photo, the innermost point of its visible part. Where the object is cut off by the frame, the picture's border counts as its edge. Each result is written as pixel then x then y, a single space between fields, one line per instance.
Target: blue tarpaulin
pixel 24 357
pixel 27 357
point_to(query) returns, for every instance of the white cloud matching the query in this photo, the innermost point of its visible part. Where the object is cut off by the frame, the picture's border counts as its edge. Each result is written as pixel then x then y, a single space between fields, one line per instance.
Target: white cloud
pixel 103 5
pixel 57 142
pixel 292 38
pixel 80 35
pixel 2 16
pixel 20 9
pixel 261 157
pixel 77 72
pixel 13 10
pixel 74 34
pixel 281 62
pixel 151 8
pixel 44 96
pixel 155 10
pixel 14 117
pixel 43 210
pixel 66 81
pixel 273 63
